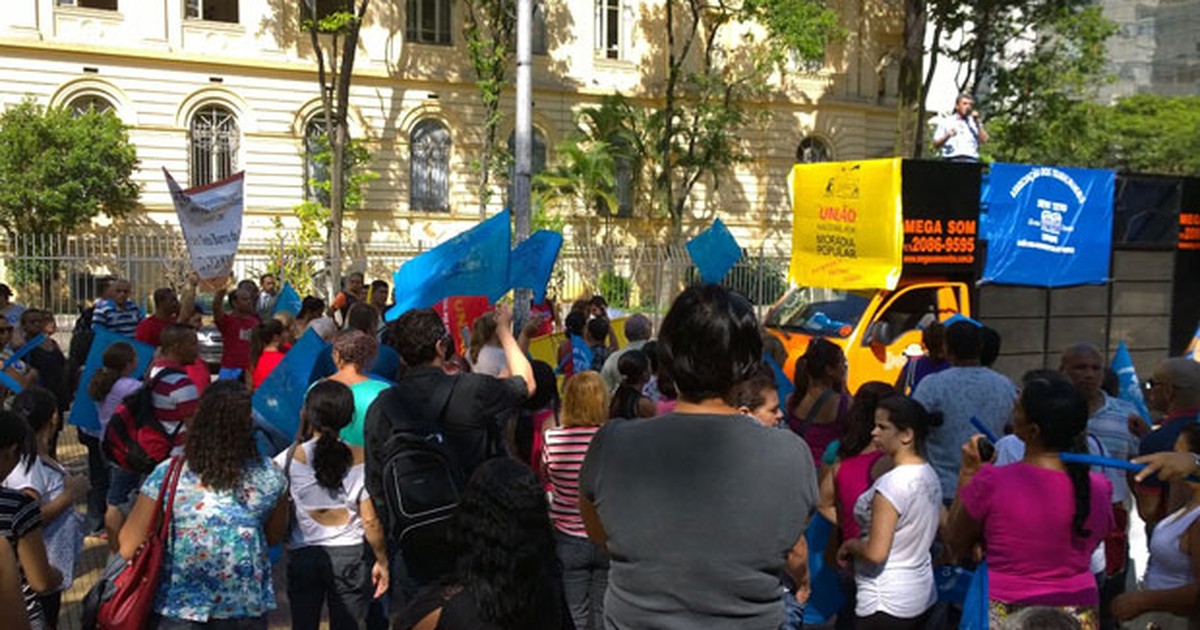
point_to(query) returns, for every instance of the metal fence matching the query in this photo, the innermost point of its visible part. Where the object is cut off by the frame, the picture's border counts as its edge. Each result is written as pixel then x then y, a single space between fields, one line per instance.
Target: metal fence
pixel 60 273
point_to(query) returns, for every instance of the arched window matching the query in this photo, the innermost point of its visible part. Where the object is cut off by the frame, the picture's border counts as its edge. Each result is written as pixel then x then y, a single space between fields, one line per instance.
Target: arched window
pixel 537 163
pixel 316 170
pixel 213 141
pixel 538 43
pixel 429 166
pixel 813 150
pixel 86 103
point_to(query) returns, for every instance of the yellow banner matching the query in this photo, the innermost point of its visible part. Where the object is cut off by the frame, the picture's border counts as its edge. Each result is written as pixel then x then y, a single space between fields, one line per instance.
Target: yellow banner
pixel 847 230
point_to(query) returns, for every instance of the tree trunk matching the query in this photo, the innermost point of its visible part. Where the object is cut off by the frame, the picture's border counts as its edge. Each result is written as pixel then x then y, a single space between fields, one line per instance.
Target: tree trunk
pixel 665 168
pixel 934 53
pixel 911 115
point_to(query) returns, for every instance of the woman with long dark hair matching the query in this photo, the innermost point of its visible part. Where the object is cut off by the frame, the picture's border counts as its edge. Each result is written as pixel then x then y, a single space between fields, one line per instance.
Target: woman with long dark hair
pixel 629 401
pixel 229 508
pixel 328 560
pixel 266 350
pixel 1068 508
pixel 893 570
pixel 506 574
pixel 816 411
pixel 113 381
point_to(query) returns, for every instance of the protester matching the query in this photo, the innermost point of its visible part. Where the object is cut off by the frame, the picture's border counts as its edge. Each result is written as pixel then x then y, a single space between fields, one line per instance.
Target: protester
pixel 168 309
pixel 575 324
pixel 329 564
pixel 893 570
pixel 47 358
pixel 958 136
pixel 469 410
pixel 965 390
pixel 311 309
pixel 118 313
pixel 542 413
pixel 268 294
pixel 628 401
pixel 1068 509
pixel 236 329
pixel 1167 466
pixel 989 349
pixel 266 350
pixel 110 384
pixel 547 313
pixel 585 564
pixel 17 369
pixel 1171 590
pixel 55 489
pixel 817 409
pixel 352 291
pixel 11 599
pixel 175 398
pixel 21 521
pixel 704 495
pixel 228 508
pixel 505 573
pixel 933 338
pixel 9 310
pixel 289 329
pixel 484 350
pixel 353 350
pixel 758 396
pixel 386 364
pixel 1175 392
pixel 596 334
pixel 638 330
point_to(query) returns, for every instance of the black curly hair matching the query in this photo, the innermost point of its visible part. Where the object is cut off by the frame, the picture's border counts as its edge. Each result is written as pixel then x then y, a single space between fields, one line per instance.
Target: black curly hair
pixel 220 438
pixel 504 544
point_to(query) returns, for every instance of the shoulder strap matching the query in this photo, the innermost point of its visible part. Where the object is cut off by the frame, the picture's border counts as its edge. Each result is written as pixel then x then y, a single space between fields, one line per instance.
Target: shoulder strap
pixel 815 410
pixel 443 396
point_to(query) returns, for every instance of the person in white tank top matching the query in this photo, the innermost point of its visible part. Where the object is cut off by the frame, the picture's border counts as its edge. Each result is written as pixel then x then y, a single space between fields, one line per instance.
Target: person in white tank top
pixel 1170 594
pixel 336 549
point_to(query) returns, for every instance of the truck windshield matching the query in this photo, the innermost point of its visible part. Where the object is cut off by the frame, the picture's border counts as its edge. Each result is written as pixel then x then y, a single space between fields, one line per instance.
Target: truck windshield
pixel 821 312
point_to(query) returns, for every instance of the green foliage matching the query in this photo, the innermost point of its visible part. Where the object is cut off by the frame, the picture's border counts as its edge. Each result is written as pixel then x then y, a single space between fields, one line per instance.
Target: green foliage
pixel 583 175
pixel 356 176
pixel 616 289
pixel 58 172
pixel 1145 133
pixel 489 32
pixel 760 280
pixel 802 27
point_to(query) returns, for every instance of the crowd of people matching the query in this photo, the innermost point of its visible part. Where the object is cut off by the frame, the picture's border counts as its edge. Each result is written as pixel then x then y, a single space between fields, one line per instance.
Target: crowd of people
pixel 669 483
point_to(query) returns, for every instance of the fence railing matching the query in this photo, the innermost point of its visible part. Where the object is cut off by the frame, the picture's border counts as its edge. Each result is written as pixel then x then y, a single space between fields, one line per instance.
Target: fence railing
pixel 60 272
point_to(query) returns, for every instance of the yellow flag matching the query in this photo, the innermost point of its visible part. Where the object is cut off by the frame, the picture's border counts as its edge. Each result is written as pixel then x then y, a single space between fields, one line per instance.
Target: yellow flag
pixel 847 230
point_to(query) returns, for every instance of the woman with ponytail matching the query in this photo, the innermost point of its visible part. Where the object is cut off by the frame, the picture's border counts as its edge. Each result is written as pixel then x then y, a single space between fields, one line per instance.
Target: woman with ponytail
pixel 113 381
pixel 1039 519
pixel 266 350
pixel 332 515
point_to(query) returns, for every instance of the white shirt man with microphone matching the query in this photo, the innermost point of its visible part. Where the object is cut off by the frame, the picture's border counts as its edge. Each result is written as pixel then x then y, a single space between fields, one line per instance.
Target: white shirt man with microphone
pixel 958 137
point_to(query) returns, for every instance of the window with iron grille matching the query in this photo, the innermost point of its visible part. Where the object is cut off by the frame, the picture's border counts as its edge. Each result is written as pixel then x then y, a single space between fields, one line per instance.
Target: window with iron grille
pixel 813 150
pixel 81 105
pixel 608 29
pixel 429 167
pixel 212 10
pixel 213 139
pixel 428 21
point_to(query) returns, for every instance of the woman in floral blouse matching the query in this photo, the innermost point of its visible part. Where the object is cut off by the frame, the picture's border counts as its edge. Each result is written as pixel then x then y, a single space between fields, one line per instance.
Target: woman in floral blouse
pixel 228 508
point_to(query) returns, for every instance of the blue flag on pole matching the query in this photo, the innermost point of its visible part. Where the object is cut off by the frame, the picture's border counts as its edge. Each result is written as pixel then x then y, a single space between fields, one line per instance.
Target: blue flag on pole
pixel 83 412
pixel 287 301
pixel 533 261
pixel 714 252
pixel 1131 387
pixel 280 398
pixel 1047 226
pixel 472 263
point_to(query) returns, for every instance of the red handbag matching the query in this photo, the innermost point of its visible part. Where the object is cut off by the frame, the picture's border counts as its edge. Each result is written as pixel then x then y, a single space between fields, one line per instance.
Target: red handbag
pixel 132 602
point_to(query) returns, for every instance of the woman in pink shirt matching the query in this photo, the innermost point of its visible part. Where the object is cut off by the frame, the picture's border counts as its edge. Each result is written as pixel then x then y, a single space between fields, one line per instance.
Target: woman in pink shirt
pixel 1039 519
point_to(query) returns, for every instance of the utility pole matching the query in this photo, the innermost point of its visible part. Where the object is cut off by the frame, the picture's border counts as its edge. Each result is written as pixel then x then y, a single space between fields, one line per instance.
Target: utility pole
pixel 523 145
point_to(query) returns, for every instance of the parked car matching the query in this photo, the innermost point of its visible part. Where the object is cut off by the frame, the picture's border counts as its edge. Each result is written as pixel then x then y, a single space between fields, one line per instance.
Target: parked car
pixel 211 348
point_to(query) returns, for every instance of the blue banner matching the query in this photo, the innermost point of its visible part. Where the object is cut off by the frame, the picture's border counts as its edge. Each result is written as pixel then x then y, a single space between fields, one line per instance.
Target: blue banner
pixel 472 263
pixel 1131 387
pixel 287 301
pixel 714 252
pixel 1047 226
pixel 532 262
pixel 280 398
pixel 83 411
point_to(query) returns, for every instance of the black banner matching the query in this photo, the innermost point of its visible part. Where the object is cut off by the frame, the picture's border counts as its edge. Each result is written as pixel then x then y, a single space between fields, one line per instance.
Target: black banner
pixel 941 219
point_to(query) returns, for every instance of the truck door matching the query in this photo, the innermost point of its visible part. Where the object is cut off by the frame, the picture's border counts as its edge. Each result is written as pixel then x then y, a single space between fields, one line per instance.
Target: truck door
pixel 894 328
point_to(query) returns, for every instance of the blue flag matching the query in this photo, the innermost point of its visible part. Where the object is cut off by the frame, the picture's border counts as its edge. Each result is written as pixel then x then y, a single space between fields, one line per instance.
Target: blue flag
pixel 472 263
pixel 287 301
pixel 1047 226
pixel 532 262
pixel 1194 346
pixel 714 252
pixel 1131 387
pixel 280 398
pixel 19 353
pixel 826 594
pixel 83 412
pixel 783 384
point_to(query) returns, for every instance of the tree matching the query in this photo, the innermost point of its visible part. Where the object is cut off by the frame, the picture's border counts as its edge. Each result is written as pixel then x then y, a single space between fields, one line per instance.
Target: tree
pixel 708 84
pixel 489 31
pixel 61 171
pixel 583 175
pixel 333 29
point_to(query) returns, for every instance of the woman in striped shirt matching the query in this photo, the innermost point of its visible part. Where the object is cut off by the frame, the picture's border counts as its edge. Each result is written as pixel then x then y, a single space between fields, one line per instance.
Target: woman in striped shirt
pixel 585 565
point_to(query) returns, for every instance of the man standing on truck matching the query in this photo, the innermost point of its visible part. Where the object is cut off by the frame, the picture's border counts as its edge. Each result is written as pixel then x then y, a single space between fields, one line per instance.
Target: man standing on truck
pixel 958 137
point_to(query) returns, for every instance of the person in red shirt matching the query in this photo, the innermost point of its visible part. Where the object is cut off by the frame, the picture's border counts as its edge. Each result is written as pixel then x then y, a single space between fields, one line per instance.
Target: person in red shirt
pixel 266 350
pixel 168 309
pixel 236 329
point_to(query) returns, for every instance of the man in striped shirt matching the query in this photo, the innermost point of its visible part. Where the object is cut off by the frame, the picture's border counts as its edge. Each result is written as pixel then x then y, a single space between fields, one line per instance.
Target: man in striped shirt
pixel 117 314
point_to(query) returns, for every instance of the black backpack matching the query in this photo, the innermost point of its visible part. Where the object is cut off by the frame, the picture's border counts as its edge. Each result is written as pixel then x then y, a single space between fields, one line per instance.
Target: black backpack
pixel 422 487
